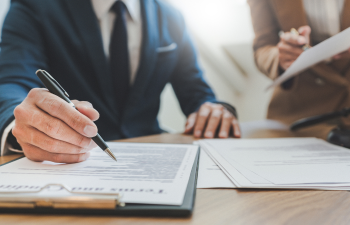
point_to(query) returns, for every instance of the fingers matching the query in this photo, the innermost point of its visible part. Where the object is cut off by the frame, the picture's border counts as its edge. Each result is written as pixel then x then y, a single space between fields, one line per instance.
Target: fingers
pixel 305 31
pixel 214 121
pixel 51 126
pixel 212 116
pixel 191 120
pixel 290 46
pixel 50 144
pixel 286 48
pixel 202 118
pixel 48 128
pixel 286 65
pixel 287 54
pixel 285 57
pixel 87 109
pixel 341 55
pixel 38 155
pixel 338 56
pixel 236 128
pixel 61 110
pixel 226 124
pixel 294 39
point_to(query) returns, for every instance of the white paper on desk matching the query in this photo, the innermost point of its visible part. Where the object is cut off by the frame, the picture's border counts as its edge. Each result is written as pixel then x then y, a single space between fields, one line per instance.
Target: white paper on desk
pixel 282 163
pixel 210 175
pixel 324 50
pixel 236 176
pixel 144 173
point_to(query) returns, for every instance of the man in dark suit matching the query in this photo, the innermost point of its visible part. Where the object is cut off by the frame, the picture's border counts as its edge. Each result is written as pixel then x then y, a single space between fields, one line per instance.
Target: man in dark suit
pixel 118 55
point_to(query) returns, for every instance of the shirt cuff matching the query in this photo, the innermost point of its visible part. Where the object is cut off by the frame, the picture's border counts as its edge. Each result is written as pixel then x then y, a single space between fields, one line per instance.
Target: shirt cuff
pixel 6 148
pixel 229 107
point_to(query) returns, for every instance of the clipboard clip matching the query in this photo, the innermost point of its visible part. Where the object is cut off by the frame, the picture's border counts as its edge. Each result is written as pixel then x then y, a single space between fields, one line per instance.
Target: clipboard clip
pixel 71 200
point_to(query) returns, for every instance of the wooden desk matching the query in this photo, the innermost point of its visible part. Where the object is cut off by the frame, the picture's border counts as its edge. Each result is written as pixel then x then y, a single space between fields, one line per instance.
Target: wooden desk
pixel 230 206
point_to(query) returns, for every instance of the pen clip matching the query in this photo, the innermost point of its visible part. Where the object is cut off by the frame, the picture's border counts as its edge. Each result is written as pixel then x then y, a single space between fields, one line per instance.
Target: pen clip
pixel 58 85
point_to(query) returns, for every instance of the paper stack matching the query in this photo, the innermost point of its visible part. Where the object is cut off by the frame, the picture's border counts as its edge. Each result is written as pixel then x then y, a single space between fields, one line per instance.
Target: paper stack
pixel 293 163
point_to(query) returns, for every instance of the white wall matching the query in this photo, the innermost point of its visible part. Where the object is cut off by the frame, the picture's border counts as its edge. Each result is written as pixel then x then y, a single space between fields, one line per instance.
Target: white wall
pixel 4 5
pixel 223 34
pixel 223 29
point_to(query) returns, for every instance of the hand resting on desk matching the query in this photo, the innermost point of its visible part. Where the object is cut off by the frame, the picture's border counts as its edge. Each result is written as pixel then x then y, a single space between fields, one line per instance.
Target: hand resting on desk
pixel 210 119
pixel 48 128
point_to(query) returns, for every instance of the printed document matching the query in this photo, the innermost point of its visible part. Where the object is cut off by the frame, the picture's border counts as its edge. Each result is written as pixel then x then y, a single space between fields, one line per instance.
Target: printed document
pixel 144 173
pixel 282 162
pixel 210 175
pixel 325 50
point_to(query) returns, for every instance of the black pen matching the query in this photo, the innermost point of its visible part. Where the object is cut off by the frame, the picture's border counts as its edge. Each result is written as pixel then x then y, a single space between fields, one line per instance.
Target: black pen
pixel 55 88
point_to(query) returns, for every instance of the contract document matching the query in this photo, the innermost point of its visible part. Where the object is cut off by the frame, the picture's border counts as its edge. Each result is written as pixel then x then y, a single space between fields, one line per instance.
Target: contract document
pixel 307 163
pixel 144 173
pixel 324 50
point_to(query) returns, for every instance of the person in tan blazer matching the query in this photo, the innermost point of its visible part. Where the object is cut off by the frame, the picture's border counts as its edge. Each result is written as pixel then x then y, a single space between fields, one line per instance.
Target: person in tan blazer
pixel 322 88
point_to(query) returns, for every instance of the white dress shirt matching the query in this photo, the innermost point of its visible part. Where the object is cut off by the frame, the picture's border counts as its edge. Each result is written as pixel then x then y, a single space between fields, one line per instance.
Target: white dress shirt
pixel 323 17
pixel 106 19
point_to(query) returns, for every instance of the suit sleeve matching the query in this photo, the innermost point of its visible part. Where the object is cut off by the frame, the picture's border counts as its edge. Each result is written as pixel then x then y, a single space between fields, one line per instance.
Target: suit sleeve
pixel 22 53
pixel 266 30
pixel 187 79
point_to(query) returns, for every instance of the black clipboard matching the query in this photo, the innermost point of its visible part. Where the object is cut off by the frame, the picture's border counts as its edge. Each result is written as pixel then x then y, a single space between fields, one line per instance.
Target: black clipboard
pixel 183 210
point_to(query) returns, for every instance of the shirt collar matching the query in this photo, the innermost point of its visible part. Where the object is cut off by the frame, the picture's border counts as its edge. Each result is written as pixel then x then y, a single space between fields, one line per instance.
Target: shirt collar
pixel 102 7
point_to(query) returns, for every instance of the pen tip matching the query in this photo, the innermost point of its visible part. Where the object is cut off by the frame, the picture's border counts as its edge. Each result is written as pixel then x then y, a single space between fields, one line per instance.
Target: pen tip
pixel 110 153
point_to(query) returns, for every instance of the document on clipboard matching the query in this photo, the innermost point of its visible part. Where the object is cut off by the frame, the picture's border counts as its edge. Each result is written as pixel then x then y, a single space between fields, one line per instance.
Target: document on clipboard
pixel 323 51
pixel 149 174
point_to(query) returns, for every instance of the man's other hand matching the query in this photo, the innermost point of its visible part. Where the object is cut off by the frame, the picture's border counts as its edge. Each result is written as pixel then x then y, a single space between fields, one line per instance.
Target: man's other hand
pixel 290 46
pixel 342 55
pixel 212 120
pixel 48 128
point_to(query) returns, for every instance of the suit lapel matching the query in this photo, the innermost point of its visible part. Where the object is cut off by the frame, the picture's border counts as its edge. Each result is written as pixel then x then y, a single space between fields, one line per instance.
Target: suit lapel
pixel 148 58
pixel 290 13
pixel 88 28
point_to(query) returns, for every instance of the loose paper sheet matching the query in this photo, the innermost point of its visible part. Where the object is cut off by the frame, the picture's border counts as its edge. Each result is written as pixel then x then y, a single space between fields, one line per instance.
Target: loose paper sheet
pixel 210 175
pixel 325 50
pixel 282 162
pixel 144 173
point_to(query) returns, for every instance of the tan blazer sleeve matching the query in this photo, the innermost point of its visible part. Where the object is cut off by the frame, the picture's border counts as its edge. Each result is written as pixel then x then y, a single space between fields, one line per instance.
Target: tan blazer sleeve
pixel 266 30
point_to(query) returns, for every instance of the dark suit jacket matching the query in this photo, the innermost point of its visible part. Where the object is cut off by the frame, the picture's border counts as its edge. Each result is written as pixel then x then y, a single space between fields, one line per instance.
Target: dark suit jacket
pixel 63 37
pixel 323 88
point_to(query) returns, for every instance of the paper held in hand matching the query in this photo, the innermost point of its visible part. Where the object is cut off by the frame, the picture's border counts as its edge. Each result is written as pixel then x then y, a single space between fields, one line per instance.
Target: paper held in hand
pixel 292 163
pixel 323 51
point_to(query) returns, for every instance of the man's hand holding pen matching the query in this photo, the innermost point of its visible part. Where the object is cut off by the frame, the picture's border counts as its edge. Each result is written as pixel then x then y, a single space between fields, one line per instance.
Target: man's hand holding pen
pixel 48 128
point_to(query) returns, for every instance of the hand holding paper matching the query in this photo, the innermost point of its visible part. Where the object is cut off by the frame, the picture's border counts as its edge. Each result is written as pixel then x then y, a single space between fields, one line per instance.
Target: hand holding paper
pixel 292 45
pixel 327 49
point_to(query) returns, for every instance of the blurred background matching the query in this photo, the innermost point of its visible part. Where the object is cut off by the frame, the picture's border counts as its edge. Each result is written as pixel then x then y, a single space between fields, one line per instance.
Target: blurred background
pixel 223 35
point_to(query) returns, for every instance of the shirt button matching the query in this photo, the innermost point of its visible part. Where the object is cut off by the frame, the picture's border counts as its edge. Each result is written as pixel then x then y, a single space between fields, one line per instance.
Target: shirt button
pixel 319 81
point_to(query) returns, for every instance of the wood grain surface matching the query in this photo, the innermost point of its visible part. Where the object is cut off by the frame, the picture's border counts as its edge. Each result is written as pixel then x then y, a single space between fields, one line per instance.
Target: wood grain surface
pixel 229 206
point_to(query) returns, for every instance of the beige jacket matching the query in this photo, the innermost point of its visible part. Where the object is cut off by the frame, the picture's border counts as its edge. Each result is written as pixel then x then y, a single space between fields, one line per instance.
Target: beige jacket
pixel 321 89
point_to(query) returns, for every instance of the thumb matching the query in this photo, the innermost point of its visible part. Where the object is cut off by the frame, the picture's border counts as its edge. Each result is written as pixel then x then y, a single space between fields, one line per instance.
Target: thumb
pixel 305 32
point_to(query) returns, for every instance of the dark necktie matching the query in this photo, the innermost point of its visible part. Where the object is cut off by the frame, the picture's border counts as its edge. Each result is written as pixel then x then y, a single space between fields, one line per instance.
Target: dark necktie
pixel 119 55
